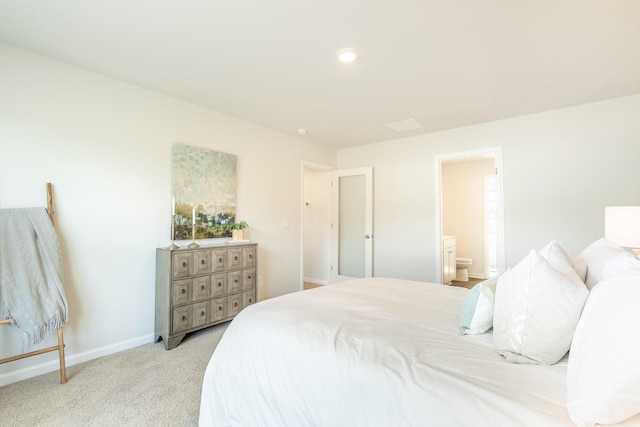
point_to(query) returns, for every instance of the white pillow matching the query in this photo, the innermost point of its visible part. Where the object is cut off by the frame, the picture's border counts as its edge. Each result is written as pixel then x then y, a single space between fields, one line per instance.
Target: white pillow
pixel 560 258
pixel 605 260
pixel 603 373
pixel 476 316
pixel 536 311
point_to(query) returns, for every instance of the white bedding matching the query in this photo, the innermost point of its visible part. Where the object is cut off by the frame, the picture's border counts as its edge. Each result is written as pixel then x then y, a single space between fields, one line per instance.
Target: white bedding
pixel 372 352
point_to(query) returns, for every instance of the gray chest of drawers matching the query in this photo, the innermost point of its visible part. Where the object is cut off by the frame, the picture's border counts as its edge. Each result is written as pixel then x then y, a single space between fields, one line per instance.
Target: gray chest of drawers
pixel 198 288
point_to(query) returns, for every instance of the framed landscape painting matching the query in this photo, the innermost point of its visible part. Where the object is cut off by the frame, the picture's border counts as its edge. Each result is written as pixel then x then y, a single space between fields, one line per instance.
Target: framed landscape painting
pixel 204 192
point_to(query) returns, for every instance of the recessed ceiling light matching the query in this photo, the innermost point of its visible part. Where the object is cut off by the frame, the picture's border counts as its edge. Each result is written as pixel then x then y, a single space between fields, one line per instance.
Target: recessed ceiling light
pixel 302 132
pixel 347 55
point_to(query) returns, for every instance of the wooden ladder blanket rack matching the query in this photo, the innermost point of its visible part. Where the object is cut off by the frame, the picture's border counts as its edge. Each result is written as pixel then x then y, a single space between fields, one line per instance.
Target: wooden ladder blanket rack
pixel 60 347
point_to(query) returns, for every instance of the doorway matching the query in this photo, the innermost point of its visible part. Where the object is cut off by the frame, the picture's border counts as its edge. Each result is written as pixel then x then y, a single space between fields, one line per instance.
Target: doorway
pixel 469 206
pixel 315 227
pixel 336 237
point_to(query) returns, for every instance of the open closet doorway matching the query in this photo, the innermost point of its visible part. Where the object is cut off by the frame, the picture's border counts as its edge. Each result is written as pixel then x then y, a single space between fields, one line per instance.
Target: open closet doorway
pixel 336 236
pixel 469 212
pixel 315 226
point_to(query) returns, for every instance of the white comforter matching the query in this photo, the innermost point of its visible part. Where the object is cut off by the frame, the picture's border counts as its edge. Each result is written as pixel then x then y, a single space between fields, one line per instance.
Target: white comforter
pixel 371 352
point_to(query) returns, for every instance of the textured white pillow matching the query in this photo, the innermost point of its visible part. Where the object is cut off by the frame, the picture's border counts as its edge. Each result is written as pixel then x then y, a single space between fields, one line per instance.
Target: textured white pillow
pixel 536 311
pixel 561 258
pixel 605 260
pixel 603 374
pixel 476 316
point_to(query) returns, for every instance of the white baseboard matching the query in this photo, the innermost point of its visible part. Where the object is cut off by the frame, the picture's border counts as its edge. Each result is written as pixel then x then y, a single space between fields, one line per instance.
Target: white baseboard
pixel 72 359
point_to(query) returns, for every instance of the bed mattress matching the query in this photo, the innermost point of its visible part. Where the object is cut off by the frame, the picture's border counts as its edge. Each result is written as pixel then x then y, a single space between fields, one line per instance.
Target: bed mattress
pixel 371 352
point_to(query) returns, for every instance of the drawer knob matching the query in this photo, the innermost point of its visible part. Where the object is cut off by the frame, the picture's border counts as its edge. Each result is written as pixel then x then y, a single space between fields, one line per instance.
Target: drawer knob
pixel 235 304
pixel 203 262
pixel 184 318
pixel 202 287
pixel 250 255
pixel 184 264
pixel 249 277
pixel 202 313
pixel 219 308
pixel 219 259
pixel 184 291
pixel 219 284
pixel 250 300
pixel 235 258
pixel 235 281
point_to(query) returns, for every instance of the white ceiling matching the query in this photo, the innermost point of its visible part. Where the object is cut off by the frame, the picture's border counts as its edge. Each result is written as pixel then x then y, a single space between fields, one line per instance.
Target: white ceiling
pixel 444 63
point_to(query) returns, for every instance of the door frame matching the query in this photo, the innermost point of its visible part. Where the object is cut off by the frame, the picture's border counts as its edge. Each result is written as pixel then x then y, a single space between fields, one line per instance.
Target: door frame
pixel 496 153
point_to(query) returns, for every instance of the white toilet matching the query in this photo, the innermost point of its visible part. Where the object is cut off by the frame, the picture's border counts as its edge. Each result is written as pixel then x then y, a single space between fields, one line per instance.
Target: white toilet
pixel 462 266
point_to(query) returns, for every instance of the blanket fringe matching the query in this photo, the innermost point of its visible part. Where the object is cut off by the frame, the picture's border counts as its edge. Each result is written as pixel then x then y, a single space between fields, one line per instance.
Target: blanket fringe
pixel 29 340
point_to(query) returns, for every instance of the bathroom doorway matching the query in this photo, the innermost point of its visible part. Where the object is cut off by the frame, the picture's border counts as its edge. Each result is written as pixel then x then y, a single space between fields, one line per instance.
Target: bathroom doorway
pixel 469 207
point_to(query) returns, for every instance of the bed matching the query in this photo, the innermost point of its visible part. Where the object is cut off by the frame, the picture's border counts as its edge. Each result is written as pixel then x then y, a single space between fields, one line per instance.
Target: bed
pixel 374 352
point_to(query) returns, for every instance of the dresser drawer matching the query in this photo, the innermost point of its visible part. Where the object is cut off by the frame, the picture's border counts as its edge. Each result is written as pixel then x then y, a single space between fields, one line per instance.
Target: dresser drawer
pixel 201 288
pixel 234 304
pixel 248 298
pixel 201 262
pixel 219 260
pixel 218 309
pixel 200 313
pixel 249 257
pixel 181 319
pixel 235 258
pixel 248 279
pixel 181 291
pixel 182 264
pixel 234 281
pixel 219 285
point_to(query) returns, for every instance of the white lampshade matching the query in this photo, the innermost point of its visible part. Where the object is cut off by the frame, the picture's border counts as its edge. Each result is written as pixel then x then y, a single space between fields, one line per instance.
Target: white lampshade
pixel 622 225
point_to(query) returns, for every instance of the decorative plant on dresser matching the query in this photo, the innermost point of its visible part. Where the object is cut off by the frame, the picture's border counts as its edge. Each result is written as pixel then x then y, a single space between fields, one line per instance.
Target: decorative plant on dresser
pixel 201 287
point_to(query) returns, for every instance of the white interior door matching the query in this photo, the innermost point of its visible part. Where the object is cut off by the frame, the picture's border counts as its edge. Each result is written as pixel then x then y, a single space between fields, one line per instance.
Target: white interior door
pixel 351 224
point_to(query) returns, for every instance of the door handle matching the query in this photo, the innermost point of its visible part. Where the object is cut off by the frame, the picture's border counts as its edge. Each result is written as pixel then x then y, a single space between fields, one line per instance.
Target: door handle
pixel 366 236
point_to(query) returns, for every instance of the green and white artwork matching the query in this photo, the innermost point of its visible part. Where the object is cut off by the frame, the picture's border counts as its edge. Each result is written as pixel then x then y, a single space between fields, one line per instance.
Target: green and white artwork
pixel 204 188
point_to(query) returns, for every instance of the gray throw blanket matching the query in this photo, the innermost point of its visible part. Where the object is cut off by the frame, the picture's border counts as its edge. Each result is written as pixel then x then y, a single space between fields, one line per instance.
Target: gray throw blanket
pixel 31 280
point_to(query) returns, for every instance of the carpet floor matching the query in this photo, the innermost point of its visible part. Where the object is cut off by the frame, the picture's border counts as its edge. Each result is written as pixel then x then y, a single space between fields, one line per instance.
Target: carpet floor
pixel 143 386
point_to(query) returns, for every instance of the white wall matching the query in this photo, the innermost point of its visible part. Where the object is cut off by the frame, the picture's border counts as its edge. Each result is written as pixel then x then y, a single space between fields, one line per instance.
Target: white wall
pixel 561 168
pixel 463 208
pixel 106 147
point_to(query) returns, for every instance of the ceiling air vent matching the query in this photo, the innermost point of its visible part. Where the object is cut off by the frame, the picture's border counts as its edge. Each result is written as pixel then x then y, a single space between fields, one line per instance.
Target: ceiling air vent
pixel 404 125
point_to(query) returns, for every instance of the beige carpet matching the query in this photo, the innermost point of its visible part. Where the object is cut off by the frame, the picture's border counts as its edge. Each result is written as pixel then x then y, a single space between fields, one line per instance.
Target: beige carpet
pixel 143 386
